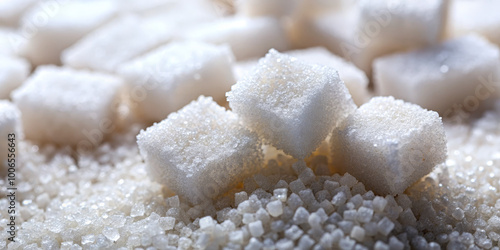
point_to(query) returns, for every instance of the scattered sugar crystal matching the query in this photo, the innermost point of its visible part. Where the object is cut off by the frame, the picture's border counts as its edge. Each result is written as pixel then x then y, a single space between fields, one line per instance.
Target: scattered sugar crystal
pixel 379 245
pixel 379 204
pixel 339 199
pixel 358 233
pixel 494 222
pixel 169 77
pixel 469 65
pixel 236 237
pixel 348 180
pixel 294 201
pixel 256 229
pixel 284 244
pixel 458 214
pixel 69 23
pixel 346 243
pixel 394 243
pixel 240 197
pixel 254 244
pixel 256 8
pixel 385 226
pixel 293 233
pixel 109 46
pixel 307 196
pixel 203 160
pixel 389 144
pixel 356 200
pixel 87 239
pixel 307 176
pixel 297 186
pixel 111 233
pixel 167 223
pixel 13 72
pixel 331 186
pixel 305 242
pixel 364 214
pixel 247 37
pixel 354 78
pixel 67 106
pixel 287 95
pixel 281 194
pixel 350 215
pixel 275 208
pixel 137 210
pixel 407 217
pixel 173 201
pixel 207 223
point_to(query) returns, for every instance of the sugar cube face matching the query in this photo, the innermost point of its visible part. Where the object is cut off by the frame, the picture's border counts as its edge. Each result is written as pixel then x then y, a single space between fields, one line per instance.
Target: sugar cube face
pixel 480 17
pixel 466 69
pixel 200 151
pixel 284 100
pixel 247 37
pixel 106 48
pixel 389 144
pixel 11 11
pixel 68 107
pixel 275 8
pixel 82 17
pixel 354 78
pixel 168 78
pixel 7 46
pixel 10 123
pixel 13 71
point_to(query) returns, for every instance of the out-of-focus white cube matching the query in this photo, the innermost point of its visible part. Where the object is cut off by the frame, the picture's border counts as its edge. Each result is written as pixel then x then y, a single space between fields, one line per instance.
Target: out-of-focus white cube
pixel 8 42
pixel 68 107
pixel 479 16
pixel 248 37
pixel 69 22
pixel 13 72
pixel 171 76
pixel 12 10
pixel 274 8
pixel 117 42
pixel 457 75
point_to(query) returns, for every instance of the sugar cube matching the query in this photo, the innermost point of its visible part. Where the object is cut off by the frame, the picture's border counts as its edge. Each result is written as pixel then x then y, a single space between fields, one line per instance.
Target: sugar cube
pixel 200 151
pixel 247 37
pixel 69 22
pixel 467 69
pixel 389 144
pixel 354 78
pixel 169 77
pixel 478 16
pixel 68 107
pixel 11 11
pixel 121 40
pixel 284 101
pixel 8 42
pixel 13 72
pixel 256 229
pixel 275 208
pixel 358 233
pixel 273 8
pixel 10 130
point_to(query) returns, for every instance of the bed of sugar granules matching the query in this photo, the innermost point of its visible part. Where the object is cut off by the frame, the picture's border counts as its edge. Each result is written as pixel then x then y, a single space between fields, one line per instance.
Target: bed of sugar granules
pixel 106 200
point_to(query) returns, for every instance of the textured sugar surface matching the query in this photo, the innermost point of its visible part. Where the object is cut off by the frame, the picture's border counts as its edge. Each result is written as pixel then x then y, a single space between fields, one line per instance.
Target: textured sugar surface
pixel 283 95
pixel 10 127
pixel 66 106
pixel 113 179
pixel 247 37
pixel 171 76
pixel 389 144
pixel 69 23
pixel 463 67
pixel 13 72
pixel 200 151
pixel 106 48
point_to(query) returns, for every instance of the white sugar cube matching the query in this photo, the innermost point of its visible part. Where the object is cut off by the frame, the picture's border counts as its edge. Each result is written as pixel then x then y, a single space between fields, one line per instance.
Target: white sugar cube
pixel 121 40
pixel 388 144
pixel 10 131
pixel 247 37
pixel 167 78
pixel 66 106
pixel 11 11
pixel 275 208
pixel 256 229
pixel 479 16
pixel 354 78
pixel 13 72
pixel 284 100
pixel 68 23
pixel 9 45
pixel 467 69
pixel 200 151
pixel 274 8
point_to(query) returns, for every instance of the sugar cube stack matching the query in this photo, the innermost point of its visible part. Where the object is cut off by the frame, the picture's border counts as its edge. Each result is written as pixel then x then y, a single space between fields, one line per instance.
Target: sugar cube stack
pixel 274 8
pixel 200 151
pixel 285 101
pixel 68 107
pixel 465 68
pixel 354 78
pixel 10 123
pixel 69 22
pixel 169 77
pixel 465 17
pixel 389 144
pixel 106 48
pixel 248 37
pixel 13 72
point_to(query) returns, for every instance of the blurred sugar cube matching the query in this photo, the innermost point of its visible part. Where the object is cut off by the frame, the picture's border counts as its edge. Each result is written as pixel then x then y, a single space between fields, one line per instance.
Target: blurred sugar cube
pixel 480 16
pixel 247 37
pixel 13 72
pixel 200 151
pixel 8 44
pixel 68 107
pixel 285 101
pixel 67 23
pixel 169 77
pixel 119 41
pixel 11 11
pixel 274 8
pixel 457 74
pixel 10 123
pixel 389 144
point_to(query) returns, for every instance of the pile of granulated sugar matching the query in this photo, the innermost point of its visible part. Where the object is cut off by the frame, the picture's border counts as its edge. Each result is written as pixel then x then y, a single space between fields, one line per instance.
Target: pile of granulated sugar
pixel 106 200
